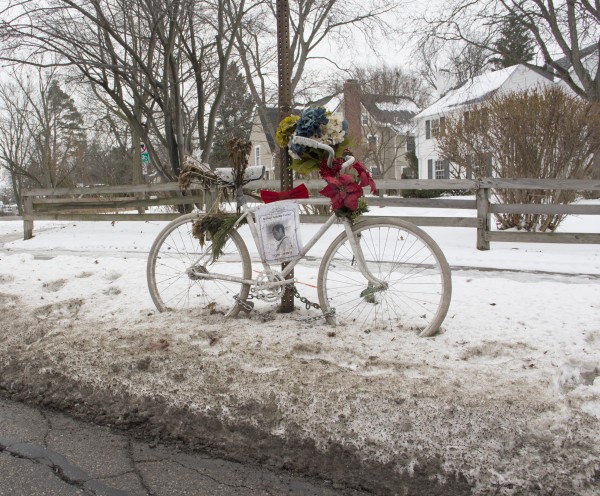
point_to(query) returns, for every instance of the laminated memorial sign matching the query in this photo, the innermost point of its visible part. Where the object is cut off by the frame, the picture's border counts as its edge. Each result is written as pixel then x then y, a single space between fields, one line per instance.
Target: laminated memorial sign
pixel 279 227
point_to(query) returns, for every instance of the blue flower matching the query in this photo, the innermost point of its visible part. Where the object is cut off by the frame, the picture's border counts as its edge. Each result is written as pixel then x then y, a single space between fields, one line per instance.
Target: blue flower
pixel 309 124
pixel 298 149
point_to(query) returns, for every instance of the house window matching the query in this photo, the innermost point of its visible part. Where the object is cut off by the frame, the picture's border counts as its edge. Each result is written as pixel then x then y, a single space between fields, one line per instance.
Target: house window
pixel 408 173
pixel 257 157
pixel 410 143
pixel 486 169
pixel 476 118
pixel 482 166
pixel 434 127
pixel 440 169
pixel 375 172
pixel 364 119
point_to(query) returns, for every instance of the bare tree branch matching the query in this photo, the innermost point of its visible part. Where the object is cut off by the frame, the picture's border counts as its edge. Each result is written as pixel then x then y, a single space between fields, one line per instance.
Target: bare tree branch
pixel 311 23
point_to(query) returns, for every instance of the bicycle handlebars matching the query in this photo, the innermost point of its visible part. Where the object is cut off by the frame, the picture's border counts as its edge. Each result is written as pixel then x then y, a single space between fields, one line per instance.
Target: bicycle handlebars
pixel 301 140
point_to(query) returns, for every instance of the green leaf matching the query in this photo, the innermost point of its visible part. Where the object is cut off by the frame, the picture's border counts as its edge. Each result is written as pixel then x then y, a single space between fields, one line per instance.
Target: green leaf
pixel 339 150
pixel 305 166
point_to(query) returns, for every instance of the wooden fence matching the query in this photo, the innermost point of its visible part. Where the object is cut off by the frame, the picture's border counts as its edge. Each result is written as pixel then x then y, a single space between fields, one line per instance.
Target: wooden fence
pixel 128 203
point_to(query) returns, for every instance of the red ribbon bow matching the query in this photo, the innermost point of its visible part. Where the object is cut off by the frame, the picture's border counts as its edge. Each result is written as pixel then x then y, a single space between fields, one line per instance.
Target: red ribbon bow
pixel 273 196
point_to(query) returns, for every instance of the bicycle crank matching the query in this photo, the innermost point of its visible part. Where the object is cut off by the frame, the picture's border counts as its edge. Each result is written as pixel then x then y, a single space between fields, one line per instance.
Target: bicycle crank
pixel 195 271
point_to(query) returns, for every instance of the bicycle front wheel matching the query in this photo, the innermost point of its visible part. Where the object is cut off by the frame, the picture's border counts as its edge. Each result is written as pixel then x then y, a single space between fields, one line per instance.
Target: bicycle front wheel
pixel 176 264
pixel 407 260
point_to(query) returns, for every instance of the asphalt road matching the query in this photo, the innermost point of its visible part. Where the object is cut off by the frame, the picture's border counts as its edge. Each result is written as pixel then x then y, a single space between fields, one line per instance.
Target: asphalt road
pixel 45 453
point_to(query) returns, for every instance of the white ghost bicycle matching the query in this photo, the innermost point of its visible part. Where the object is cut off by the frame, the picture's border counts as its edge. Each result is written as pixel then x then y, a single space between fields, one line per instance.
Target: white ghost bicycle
pixel 378 273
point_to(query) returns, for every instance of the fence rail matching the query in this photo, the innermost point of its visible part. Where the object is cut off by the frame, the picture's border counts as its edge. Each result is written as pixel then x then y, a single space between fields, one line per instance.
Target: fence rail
pixel 128 203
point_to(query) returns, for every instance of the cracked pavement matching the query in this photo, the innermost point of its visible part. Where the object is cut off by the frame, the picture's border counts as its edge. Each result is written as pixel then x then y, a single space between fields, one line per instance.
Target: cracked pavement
pixel 48 453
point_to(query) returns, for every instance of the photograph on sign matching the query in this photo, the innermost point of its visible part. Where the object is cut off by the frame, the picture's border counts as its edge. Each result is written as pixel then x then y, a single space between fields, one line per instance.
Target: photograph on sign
pixel 279 227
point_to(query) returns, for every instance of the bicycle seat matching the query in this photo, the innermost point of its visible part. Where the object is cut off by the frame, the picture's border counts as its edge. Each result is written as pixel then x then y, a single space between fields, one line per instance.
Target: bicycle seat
pixel 252 173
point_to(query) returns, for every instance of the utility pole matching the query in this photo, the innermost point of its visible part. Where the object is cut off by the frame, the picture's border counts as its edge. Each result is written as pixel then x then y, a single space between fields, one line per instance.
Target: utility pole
pixel 285 108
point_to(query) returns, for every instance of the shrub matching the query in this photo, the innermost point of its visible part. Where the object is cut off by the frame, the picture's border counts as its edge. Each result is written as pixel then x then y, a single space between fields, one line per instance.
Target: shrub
pixel 541 134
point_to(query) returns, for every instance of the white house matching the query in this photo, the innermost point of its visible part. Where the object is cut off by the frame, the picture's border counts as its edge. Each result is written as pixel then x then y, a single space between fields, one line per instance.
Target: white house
pixel 430 122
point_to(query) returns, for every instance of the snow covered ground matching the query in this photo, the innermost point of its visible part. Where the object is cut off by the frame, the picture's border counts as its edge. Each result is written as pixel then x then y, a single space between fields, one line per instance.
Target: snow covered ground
pixel 506 400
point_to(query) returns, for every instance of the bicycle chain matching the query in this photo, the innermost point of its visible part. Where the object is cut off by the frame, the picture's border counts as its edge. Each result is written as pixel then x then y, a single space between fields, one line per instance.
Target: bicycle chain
pixel 247 306
pixel 307 303
pixel 330 313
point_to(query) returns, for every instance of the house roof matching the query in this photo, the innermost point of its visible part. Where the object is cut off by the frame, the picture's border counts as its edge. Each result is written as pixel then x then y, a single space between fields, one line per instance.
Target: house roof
pixel 565 62
pixel 395 111
pixel 477 89
pixel 331 103
pixel 474 90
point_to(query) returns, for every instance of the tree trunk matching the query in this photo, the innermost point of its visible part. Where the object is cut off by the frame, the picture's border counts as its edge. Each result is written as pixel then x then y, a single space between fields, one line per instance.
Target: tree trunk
pixel 16 185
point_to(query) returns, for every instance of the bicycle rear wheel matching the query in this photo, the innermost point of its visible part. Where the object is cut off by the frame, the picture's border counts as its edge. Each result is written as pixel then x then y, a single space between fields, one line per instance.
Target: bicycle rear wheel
pixel 175 260
pixel 403 256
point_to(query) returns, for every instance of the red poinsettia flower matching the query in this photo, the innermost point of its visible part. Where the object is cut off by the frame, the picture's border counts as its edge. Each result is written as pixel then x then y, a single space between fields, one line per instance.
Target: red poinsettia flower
pixel 343 191
pixel 336 166
pixel 364 177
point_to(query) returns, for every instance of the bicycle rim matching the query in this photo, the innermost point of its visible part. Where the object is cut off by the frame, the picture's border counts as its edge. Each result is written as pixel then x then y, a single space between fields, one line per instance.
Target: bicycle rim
pixel 403 256
pixel 177 255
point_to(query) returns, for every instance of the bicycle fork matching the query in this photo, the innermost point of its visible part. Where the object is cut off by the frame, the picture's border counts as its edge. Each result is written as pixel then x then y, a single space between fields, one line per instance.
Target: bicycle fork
pixel 374 284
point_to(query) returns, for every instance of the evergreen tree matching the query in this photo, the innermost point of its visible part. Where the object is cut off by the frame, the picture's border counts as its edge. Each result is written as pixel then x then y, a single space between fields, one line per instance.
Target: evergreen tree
pixel 234 117
pixel 59 137
pixel 515 44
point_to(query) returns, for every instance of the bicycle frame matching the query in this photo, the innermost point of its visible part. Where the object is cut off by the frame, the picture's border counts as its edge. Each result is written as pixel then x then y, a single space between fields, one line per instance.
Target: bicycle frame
pixel 279 278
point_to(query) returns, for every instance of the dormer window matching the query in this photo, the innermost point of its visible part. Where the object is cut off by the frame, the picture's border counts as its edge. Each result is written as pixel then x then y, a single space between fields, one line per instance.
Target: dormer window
pixel 434 127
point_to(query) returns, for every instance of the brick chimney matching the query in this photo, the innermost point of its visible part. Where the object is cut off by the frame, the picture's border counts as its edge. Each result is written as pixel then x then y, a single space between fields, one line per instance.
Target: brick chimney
pixel 352 109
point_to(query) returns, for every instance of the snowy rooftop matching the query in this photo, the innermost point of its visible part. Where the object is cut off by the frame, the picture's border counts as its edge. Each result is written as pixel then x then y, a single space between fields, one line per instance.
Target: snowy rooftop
pixel 472 90
pixel 392 111
pixel 400 105
pixel 333 104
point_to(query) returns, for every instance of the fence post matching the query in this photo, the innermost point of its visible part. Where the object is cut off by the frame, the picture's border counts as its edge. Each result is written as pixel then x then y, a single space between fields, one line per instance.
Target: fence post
pixel 208 199
pixel 27 217
pixel 210 196
pixel 483 217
